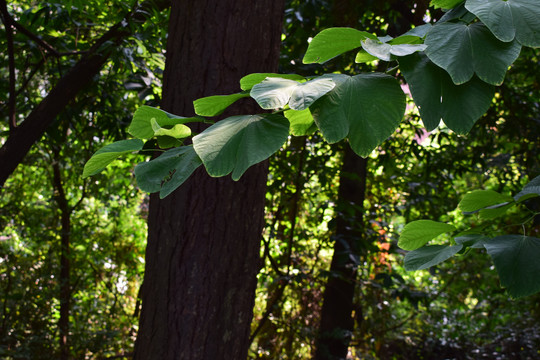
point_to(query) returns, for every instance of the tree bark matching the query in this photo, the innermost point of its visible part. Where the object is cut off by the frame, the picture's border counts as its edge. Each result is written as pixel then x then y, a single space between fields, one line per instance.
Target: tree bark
pixel 203 247
pixel 21 138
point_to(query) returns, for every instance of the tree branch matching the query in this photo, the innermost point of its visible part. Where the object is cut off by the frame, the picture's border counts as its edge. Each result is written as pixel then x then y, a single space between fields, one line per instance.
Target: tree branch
pixel 22 138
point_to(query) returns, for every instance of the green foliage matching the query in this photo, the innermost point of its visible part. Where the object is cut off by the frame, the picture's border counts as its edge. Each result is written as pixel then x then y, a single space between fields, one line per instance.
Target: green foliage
pixel 509 19
pixel 366 108
pixel 108 154
pixel 238 142
pixel 330 43
pixel 513 255
pixel 156 175
pixel 418 233
pixel 438 98
pixel 463 50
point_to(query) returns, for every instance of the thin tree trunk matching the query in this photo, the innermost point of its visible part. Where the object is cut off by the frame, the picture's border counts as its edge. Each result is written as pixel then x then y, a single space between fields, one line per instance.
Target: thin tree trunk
pixel 64 279
pixel 337 324
pixel 203 247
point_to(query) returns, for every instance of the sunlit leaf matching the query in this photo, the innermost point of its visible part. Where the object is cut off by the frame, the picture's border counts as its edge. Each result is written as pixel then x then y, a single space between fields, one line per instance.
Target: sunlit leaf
pixel 332 42
pixel 215 105
pixel 238 142
pixel 273 93
pixel 384 51
pixel 248 81
pixel 445 4
pixel 141 125
pixel 418 233
pixel 480 199
pixel 178 131
pixel 108 154
pixel 301 122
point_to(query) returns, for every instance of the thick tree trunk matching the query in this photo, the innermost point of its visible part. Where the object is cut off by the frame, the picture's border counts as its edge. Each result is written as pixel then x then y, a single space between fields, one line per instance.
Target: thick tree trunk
pixel 202 256
pixel 337 324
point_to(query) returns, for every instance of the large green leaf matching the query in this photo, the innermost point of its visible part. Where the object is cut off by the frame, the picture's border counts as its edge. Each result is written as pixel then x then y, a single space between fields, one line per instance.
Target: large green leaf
pixel 428 256
pixel 141 125
pixel 532 189
pixel 301 122
pixel 480 199
pixel 168 171
pixel 248 81
pixel 509 19
pixel 238 142
pixel 438 98
pixel 463 50
pixel 332 42
pixel 516 260
pixel 418 233
pixel 275 93
pixel 215 105
pixel 108 154
pixel 366 108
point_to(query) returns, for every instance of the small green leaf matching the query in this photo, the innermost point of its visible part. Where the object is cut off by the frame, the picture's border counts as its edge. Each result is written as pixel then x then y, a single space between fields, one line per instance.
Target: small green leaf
pixel 445 4
pixel 418 233
pixel 238 142
pixel 332 42
pixel 366 108
pixel 428 256
pixel 273 93
pixel 301 121
pixel 108 154
pixel 178 131
pixel 168 171
pixel 480 199
pixel 363 57
pixel 464 50
pixel 438 98
pixel 532 189
pixel 509 19
pixel 215 105
pixel 516 260
pixel 141 125
pixel 248 81
pixel 384 51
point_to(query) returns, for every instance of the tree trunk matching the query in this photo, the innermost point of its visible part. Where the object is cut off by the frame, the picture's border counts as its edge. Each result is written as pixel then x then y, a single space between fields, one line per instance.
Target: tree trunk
pixel 65 273
pixel 337 324
pixel 203 247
